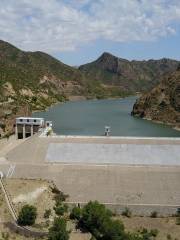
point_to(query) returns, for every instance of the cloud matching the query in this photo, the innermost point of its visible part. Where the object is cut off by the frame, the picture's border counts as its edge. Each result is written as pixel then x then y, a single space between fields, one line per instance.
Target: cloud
pixel 64 25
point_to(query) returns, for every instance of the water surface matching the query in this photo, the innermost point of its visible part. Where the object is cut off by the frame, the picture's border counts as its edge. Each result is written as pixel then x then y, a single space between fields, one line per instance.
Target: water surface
pixel 90 117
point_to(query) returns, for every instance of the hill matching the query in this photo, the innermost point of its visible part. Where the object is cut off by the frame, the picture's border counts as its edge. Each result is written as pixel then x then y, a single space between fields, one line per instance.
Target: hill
pixel 36 75
pixel 33 81
pixel 127 76
pixel 162 103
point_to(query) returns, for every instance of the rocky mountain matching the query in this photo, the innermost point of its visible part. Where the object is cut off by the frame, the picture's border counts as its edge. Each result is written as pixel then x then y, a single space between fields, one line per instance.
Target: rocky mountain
pixel 127 76
pixel 162 103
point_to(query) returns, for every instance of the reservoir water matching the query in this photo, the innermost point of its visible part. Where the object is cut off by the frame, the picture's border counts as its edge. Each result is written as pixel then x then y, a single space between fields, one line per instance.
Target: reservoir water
pixel 90 117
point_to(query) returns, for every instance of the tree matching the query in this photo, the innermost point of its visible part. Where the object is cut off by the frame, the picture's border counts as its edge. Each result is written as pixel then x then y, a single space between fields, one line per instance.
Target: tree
pixel 27 215
pixel 114 229
pixel 94 215
pixel 58 230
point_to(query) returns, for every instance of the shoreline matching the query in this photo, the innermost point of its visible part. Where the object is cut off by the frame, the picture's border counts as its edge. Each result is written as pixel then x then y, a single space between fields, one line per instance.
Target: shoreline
pixel 162 123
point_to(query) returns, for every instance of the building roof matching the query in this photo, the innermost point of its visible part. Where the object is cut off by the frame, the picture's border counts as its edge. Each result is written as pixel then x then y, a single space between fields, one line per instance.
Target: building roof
pixel 33 118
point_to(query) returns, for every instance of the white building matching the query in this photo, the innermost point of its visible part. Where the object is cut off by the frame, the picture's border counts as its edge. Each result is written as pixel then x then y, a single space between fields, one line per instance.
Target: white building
pixel 27 126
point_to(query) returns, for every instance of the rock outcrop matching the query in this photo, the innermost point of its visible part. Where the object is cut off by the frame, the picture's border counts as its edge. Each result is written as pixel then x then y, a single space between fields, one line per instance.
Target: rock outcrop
pixel 162 103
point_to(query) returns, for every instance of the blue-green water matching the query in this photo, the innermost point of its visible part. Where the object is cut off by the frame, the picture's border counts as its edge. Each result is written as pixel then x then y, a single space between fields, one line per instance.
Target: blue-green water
pixel 90 117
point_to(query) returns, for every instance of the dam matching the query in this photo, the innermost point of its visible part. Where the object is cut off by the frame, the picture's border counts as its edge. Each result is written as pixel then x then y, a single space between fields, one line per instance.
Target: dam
pixel 142 174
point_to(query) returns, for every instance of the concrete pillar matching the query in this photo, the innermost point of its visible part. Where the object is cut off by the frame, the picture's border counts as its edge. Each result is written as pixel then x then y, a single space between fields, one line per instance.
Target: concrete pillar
pixel 16 131
pixel 24 131
pixel 31 130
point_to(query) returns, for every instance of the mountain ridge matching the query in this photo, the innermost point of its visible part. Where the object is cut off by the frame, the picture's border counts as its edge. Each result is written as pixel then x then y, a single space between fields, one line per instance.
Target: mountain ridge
pixel 131 75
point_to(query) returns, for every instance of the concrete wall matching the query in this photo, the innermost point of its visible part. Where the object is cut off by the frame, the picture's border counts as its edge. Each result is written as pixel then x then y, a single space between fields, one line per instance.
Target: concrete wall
pixel 137 210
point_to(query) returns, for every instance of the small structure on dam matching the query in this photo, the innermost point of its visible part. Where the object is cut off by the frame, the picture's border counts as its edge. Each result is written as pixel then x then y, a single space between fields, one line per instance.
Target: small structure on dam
pixel 28 126
pixel 107 131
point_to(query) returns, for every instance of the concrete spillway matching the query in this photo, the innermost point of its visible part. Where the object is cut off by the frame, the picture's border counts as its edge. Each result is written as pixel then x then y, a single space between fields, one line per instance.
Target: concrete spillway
pixel 99 153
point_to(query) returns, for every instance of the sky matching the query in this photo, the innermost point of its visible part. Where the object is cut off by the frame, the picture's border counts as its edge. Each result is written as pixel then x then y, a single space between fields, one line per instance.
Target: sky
pixel 79 31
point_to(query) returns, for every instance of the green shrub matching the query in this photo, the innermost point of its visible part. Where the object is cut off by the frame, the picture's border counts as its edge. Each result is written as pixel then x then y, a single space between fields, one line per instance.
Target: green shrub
pixel 27 215
pixel 60 209
pixel 113 229
pixel 127 212
pixel 59 230
pixel 154 214
pixel 75 213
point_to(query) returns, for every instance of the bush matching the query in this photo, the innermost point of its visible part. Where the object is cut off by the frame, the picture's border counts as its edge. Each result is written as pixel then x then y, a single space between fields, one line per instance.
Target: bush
pixel 154 232
pixel 5 235
pixel 59 196
pixel 60 209
pixel 75 213
pixel 58 231
pixel 178 212
pixel 144 234
pixel 127 212
pixel 93 216
pixel 154 214
pixel 47 213
pixel 169 237
pixel 55 190
pixel 113 229
pixel 27 215
pixel 178 221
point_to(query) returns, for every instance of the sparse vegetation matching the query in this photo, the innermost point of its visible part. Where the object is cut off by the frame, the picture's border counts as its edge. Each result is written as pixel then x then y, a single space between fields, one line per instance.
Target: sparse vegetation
pixel 59 196
pixel 47 213
pixel 5 236
pixel 169 237
pixel 127 212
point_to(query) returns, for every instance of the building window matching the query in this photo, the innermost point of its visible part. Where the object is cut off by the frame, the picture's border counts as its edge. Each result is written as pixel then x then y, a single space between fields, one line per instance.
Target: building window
pixel 21 120
pixel 27 120
pixel 34 120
